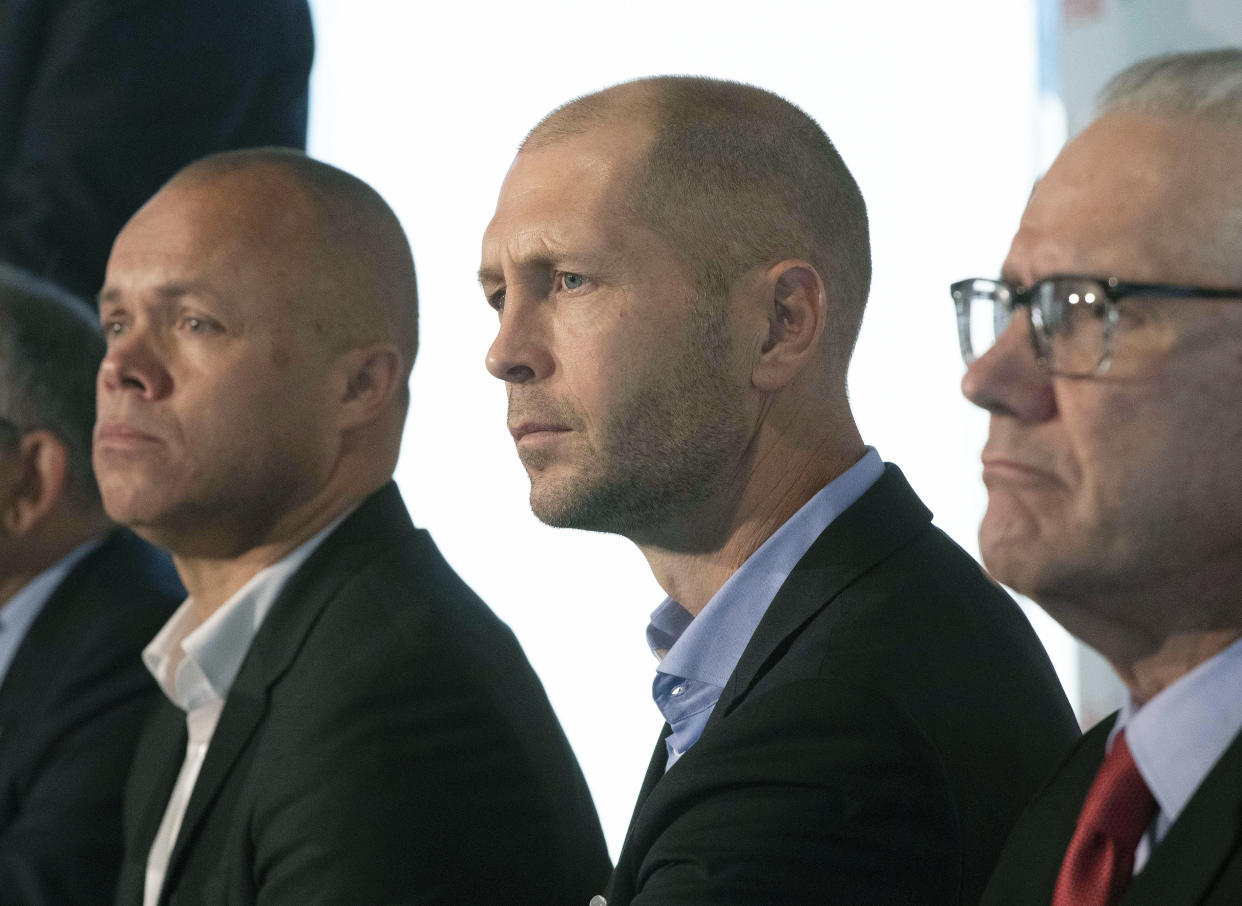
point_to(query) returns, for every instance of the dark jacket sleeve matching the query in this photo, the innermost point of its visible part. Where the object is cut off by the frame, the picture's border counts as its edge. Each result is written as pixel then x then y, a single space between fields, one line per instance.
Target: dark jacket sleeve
pixel 62 841
pixel 102 100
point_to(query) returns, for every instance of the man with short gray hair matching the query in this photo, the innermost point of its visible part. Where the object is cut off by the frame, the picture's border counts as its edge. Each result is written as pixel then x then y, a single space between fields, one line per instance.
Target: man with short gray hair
pixel 1113 484
pixel 78 600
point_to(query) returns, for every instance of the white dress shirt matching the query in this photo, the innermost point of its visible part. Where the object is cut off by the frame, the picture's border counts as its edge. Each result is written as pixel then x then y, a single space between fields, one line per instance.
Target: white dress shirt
pixel 1177 737
pixel 19 612
pixel 195 664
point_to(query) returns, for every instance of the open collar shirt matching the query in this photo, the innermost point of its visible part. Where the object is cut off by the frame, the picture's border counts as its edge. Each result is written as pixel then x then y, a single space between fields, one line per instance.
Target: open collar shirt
pixel 195 665
pixel 18 614
pixel 698 654
pixel 1177 737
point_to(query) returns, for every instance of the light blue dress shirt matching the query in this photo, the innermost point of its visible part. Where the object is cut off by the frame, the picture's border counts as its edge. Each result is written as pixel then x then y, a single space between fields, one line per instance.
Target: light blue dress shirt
pixel 698 654
pixel 1178 736
pixel 20 611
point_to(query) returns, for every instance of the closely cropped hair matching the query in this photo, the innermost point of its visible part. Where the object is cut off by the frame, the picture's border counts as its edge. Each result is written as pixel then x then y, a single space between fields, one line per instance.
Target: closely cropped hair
pixel 50 350
pixel 738 177
pixel 1205 84
pixel 357 226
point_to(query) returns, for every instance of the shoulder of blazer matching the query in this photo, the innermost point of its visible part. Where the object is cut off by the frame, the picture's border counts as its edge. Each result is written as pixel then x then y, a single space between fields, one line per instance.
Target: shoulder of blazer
pixel 1027 869
pixel 888 516
pixel 379 524
pixel 107 608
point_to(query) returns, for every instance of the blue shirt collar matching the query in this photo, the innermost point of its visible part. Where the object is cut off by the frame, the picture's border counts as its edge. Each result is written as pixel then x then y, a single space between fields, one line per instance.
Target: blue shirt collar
pixel 708 647
pixel 698 654
pixel 18 614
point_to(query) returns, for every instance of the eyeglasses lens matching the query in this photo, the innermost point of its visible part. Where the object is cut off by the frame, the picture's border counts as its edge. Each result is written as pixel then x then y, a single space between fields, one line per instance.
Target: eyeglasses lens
pixel 1073 324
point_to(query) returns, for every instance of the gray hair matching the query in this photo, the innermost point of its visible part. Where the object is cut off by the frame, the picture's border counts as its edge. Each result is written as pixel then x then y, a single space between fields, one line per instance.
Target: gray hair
pixel 50 350
pixel 1205 84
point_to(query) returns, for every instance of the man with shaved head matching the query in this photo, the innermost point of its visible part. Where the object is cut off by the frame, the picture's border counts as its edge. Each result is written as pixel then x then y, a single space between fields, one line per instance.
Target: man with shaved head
pixel 855 713
pixel 1109 366
pixel 345 721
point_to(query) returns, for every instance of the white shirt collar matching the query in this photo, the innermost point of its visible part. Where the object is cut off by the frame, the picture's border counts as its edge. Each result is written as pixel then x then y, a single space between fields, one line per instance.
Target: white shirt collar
pixel 1178 736
pixel 195 664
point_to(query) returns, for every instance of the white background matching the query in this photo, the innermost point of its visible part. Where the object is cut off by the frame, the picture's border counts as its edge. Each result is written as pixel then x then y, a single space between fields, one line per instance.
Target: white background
pixel 934 107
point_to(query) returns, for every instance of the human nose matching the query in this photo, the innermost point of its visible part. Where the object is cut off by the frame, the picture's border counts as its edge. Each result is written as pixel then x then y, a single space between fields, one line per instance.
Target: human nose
pixel 1008 380
pixel 521 352
pixel 134 363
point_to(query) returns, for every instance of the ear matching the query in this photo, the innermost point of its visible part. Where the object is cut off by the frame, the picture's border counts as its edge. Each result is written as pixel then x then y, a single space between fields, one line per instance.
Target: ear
pixel 371 378
pixel 34 482
pixel 797 310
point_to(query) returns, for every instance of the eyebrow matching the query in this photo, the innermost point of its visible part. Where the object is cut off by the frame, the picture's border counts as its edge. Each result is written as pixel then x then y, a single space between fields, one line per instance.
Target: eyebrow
pixel 168 292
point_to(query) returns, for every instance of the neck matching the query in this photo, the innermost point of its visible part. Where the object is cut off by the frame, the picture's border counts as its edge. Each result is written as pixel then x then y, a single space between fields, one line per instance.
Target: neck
pixel 692 558
pixel 1150 636
pixel 1146 677
pixel 213 580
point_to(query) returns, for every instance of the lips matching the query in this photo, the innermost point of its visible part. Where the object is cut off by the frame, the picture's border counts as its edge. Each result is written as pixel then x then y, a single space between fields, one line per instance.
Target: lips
pixel 122 434
pixel 998 466
pixel 535 430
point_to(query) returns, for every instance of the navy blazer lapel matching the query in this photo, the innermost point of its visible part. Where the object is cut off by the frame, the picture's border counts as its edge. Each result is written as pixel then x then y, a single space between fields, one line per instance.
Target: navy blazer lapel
pixel 157 762
pixel 887 517
pixel 1185 864
pixel 278 641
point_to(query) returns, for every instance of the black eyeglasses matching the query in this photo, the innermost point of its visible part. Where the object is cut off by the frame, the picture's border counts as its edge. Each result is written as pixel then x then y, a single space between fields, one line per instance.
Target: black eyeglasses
pixel 1073 318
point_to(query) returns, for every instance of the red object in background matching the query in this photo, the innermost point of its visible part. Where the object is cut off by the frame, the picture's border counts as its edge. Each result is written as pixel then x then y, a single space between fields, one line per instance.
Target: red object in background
pixel 1082 10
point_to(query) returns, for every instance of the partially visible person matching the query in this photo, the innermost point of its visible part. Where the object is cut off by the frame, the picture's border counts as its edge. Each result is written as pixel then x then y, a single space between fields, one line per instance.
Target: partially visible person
pixel 78 600
pixel 679 267
pixel 345 721
pixel 1114 493
pixel 101 101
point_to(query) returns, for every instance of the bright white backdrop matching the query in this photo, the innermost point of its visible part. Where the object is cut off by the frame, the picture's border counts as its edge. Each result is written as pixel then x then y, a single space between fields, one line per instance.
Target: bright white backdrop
pixel 934 107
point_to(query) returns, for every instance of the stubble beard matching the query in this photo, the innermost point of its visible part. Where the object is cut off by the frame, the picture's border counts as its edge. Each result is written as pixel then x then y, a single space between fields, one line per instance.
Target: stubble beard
pixel 672 443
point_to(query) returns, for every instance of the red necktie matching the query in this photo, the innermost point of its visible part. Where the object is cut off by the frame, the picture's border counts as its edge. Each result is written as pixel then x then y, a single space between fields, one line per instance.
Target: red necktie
pixel 1100 858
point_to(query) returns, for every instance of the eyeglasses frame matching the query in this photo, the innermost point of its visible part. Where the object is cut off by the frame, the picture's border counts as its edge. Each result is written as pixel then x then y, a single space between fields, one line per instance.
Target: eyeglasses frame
pixel 1114 289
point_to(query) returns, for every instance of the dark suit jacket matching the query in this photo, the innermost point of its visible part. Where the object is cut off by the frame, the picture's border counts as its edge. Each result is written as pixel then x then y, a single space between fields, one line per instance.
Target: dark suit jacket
pixel 1199 861
pixel 888 720
pixel 71 706
pixel 385 741
pixel 102 100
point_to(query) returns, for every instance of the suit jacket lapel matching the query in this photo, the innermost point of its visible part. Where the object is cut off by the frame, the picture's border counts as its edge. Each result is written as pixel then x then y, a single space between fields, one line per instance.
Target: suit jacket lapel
pixel 157 762
pixel 276 645
pixel 1184 865
pixel 888 516
pixel 655 770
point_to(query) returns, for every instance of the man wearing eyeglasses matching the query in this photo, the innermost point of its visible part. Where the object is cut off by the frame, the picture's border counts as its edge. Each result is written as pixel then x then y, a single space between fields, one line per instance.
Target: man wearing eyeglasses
pixel 1109 357
pixel 78 600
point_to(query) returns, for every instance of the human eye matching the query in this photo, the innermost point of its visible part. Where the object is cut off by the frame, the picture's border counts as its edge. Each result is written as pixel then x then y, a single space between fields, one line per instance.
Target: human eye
pixel 112 326
pixel 496 299
pixel 198 324
pixel 572 282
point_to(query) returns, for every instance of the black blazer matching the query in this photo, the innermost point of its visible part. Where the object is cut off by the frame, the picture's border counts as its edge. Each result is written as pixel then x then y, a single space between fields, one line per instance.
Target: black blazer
pixel 385 741
pixel 888 720
pixel 71 706
pixel 1199 860
pixel 101 101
